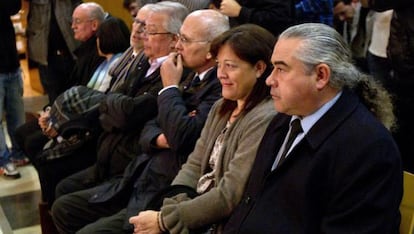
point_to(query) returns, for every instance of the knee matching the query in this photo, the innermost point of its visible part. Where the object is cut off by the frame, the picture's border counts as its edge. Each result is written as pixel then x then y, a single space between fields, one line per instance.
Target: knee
pixel 60 213
pixel 60 189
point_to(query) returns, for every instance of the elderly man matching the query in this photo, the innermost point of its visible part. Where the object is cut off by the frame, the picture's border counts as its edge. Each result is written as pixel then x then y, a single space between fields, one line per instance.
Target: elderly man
pixel 166 140
pixel 121 113
pixel 86 19
pixel 341 171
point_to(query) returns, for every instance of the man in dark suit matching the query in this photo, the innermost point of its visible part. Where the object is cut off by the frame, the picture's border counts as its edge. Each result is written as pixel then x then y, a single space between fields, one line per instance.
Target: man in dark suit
pixel 166 141
pixel 342 174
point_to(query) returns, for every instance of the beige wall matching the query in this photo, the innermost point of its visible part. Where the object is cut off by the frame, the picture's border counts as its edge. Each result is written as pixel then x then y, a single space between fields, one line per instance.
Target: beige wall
pixel 115 8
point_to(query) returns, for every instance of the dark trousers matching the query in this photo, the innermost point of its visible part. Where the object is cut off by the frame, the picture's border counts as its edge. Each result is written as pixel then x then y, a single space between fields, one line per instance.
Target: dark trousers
pixel 402 87
pixel 379 68
pixel 81 180
pixel 73 213
pixel 31 139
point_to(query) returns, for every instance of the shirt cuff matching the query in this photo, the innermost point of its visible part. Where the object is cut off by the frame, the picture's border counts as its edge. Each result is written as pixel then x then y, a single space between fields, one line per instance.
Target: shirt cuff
pixel 168 87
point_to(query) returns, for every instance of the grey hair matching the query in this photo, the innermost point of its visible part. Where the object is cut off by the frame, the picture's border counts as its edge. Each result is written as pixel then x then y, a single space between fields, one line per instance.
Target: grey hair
pixel 323 44
pixel 95 11
pixel 215 23
pixel 149 7
pixel 176 13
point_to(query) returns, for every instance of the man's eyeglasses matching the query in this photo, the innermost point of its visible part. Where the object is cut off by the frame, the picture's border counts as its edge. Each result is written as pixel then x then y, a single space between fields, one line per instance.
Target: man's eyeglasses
pixel 185 40
pixel 139 22
pixel 145 31
pixel 154 33
pixel 80 21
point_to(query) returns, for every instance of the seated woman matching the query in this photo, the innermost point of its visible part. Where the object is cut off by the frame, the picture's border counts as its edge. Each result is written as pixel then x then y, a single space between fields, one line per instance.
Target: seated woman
pixel 220 164
pixel 112 39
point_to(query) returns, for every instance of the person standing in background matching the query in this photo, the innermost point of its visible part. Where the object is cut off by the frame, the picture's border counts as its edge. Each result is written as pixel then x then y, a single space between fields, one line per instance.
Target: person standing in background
pixel 379 65
pixel 11 85
pixel 132 7
pixel 51 42
pixel 400 51
pixel 274 15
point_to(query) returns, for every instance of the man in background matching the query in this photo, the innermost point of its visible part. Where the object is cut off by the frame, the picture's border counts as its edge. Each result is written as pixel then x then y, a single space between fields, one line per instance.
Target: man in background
pixel 11 86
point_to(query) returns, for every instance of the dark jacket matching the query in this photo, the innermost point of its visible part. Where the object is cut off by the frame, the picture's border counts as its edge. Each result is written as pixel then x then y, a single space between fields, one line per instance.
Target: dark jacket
pixel 123 115
pixel 87 60
pixel 274 15
pixel 9 61
pixel 344 176
pixel 155 169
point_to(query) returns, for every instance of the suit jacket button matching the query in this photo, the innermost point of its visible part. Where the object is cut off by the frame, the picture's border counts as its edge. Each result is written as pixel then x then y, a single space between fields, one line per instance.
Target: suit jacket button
pixel 247 200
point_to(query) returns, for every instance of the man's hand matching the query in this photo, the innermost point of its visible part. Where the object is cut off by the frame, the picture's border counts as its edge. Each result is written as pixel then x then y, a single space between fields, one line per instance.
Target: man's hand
pixel 162 142
pixel 230 8
pixel 145 222
pixel 43 119
pixel 172 70
pixel 45 124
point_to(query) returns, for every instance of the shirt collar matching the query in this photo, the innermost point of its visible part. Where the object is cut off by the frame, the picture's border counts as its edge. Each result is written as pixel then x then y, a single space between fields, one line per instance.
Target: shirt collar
pixel 308 121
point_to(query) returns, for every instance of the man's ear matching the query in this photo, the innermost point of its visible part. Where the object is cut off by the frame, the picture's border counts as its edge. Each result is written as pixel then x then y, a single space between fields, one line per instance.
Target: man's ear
pixel 95 25
pixel 323 75
pixel 209 56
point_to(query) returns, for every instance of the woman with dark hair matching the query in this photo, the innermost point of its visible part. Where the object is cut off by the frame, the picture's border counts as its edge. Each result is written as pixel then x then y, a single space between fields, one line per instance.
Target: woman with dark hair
pixel 218 168
pixel 112 39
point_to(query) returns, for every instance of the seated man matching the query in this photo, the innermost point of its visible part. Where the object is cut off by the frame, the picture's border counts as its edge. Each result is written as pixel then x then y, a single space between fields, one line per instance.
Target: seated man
pixel 166 141
pixel 342 173
pixel 123 113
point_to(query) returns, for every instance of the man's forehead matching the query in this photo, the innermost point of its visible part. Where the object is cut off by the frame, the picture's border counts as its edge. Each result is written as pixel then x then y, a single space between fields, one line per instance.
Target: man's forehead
pixel 80 13
pixel 156 17
pixel 285 49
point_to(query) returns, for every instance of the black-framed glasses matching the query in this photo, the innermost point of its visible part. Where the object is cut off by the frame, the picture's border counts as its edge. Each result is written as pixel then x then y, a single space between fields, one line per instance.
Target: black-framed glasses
pixel 185 40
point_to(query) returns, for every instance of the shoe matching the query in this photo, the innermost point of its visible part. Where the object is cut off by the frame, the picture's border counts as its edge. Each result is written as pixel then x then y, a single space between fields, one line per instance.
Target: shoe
pixel 19 162
pixel 9 171
pixel 18 158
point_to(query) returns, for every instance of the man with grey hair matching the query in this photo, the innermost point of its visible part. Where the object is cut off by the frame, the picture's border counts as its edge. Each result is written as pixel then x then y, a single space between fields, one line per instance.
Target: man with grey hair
pixel 165 146
pixel 339 170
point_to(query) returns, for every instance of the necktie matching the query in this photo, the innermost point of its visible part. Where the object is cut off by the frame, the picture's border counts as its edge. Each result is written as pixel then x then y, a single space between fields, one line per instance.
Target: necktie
pixel 295 129
pixel 195 82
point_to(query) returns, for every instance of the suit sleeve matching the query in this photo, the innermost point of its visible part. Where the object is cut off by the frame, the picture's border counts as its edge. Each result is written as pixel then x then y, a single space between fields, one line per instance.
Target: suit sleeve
pixel 181 128
pixel 270 14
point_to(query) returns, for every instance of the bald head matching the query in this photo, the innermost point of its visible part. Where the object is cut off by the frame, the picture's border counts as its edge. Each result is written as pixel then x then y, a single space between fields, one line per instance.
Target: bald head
pixel 198 30
pixel 210 23
pixel 86 19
